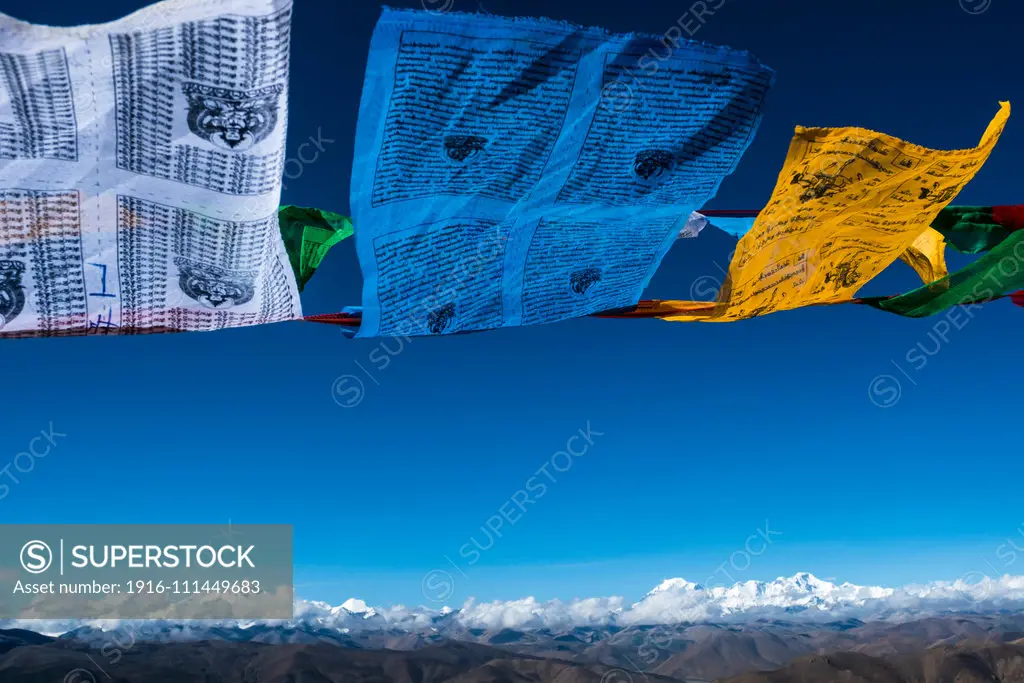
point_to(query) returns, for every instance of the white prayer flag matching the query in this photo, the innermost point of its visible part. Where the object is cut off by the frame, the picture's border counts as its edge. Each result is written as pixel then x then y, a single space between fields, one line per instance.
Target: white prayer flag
pixel 140 171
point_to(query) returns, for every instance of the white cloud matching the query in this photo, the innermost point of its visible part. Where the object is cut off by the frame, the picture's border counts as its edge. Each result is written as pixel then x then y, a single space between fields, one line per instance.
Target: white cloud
pixel 529 613
pixel 802 597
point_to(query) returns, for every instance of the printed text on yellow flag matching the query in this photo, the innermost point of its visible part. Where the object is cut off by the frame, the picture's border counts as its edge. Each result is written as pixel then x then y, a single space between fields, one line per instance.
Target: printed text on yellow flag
pixel 847 203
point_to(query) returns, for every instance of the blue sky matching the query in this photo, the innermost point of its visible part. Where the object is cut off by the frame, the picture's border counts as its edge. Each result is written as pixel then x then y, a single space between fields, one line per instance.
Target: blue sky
pixel 707 431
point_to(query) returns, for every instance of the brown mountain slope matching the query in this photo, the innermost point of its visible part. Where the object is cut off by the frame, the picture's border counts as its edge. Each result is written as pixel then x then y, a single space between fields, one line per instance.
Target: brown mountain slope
pixel 553 671
pixel 960 648
pixel 880 640
pixel 226 662
pixel 730 652
pixel 965 663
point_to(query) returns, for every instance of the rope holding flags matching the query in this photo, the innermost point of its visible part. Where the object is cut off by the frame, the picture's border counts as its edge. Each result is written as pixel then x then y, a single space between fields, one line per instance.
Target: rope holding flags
pixel 508 172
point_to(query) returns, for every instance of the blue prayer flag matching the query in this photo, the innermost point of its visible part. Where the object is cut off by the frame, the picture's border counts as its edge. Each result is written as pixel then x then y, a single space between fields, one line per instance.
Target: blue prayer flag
pixel 522 171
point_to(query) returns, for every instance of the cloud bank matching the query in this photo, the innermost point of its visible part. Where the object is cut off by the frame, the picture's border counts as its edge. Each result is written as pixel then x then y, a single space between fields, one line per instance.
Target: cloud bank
pixel 800 598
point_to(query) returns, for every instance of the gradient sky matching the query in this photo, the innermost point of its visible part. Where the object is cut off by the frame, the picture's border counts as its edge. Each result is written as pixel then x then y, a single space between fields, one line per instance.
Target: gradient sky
pixel 708 431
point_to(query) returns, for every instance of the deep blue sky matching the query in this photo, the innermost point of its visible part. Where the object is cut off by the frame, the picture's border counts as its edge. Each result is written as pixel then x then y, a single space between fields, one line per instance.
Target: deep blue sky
pixel 709 430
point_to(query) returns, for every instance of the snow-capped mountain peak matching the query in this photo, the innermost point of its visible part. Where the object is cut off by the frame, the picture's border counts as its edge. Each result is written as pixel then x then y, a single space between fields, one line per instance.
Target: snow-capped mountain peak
pixel 670 585
pixel 802 597
pixel 806 580
pixel 358 607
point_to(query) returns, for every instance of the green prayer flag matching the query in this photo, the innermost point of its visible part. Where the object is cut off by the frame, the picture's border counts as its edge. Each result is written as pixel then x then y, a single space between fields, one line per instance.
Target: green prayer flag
pixel 997 273
pixel 308 235
pixel 971 229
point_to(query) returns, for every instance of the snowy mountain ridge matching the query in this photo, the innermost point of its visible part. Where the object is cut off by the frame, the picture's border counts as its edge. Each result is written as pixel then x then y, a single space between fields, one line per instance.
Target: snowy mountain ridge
pixel 802 597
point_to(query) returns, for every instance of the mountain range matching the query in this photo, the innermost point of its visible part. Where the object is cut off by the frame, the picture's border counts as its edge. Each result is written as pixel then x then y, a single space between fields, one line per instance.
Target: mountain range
pixel 800 629
pixel 802 597
pixel 964 648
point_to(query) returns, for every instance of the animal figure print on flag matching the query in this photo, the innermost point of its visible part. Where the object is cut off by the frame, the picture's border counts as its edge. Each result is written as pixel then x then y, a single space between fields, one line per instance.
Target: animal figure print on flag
pixel 140 171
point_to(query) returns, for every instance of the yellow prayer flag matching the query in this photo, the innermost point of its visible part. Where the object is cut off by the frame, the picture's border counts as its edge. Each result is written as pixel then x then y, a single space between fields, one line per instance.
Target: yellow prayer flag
pixel 848 202
pixel 927 256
